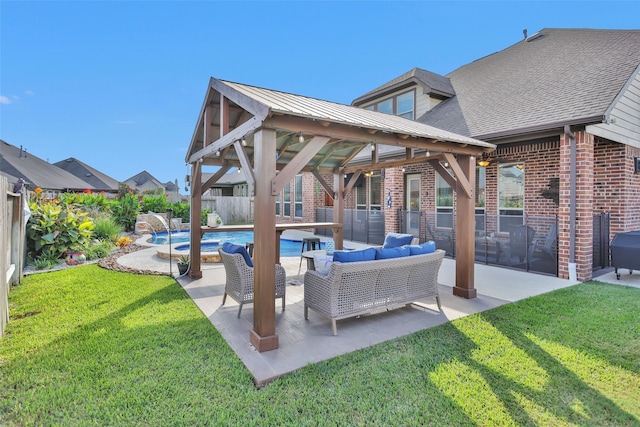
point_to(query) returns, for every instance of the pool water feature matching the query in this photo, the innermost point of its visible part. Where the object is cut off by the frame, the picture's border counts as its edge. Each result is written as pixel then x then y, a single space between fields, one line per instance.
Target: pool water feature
pixel 212 241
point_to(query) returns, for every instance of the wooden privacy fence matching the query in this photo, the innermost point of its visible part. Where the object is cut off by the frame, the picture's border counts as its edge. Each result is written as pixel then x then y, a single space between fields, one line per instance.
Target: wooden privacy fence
pixel 232 209
pixel 12 241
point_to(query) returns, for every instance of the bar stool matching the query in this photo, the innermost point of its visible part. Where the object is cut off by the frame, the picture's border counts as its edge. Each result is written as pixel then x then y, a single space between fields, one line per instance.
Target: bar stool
pixel 249 247
pixel 312 244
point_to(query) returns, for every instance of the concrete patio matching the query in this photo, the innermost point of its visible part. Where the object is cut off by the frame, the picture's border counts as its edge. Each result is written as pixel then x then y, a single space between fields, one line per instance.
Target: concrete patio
pixel 302 342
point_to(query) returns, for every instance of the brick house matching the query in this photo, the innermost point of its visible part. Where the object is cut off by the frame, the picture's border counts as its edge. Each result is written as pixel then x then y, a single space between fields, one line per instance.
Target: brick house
pixel 553 95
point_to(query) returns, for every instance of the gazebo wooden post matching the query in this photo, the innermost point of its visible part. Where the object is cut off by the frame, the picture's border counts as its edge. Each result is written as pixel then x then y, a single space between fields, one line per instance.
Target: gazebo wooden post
pixel 195 266
pixel 465 230
pixel 263 336
pixel 338 207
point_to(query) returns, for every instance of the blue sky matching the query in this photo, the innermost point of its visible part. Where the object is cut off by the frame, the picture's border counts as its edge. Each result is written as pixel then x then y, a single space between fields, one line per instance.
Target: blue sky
pixel 119 85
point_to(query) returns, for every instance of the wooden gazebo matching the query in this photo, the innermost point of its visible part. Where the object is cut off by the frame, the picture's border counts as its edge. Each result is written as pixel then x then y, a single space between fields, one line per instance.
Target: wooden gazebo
pixel 274 135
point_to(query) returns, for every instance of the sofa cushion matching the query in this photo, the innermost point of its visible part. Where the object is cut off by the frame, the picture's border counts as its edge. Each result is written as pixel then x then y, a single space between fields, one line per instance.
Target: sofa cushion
pixel 368 254
pixel 387 253
pixel 232 248
pixel 395 240
pixel 425 248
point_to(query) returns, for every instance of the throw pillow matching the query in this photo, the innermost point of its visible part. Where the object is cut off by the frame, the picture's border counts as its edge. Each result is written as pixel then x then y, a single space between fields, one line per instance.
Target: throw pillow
pixel 368 254
pixel 387 253
pixel 232 248
pixel 425 248
pixel 395 240
pixel 322 263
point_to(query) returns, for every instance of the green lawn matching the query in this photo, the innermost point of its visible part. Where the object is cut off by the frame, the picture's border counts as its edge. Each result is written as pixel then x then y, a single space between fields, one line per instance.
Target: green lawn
pixel 87 346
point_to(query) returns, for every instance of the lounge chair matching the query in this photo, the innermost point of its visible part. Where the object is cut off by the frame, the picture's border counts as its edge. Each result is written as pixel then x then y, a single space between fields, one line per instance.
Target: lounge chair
pixel 239 283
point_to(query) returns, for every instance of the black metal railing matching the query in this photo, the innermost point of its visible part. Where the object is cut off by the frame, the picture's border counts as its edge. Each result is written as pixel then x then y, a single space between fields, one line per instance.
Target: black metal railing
pixel 528 242
pixel 365 226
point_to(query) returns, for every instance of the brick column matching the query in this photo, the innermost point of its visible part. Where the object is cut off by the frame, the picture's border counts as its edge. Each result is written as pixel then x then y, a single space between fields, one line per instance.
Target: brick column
pixel 584 206
pixel 394 182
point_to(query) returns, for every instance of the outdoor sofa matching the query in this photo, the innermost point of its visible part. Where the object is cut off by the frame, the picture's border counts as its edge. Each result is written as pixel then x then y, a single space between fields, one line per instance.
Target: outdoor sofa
pixel 350 289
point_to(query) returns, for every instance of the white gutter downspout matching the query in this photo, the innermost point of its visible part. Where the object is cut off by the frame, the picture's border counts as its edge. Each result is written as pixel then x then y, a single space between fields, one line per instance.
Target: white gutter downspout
pixel 573 276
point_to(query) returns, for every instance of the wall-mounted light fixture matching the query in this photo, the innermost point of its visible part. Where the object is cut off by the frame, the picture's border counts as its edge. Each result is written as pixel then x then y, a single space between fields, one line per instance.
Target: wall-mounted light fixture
pixel 520 166
pixel 483 161
pixel 368 174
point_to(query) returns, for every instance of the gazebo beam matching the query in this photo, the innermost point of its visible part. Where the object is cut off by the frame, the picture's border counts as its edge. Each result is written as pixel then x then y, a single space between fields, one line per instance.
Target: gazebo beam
pixel 215 178
pixel 295 165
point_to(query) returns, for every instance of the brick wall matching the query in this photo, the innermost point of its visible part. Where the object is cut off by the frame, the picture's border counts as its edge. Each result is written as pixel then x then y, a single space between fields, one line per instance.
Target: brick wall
pixel 616 187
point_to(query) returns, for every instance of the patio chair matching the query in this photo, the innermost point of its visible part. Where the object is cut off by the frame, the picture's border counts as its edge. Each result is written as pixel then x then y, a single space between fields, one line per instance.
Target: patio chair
pixel 548 244
pixel 521 244
pixel 443 239
pixel 239 283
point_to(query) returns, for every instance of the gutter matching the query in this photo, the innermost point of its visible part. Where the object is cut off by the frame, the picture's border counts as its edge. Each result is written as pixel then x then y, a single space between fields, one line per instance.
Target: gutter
pixel 572 204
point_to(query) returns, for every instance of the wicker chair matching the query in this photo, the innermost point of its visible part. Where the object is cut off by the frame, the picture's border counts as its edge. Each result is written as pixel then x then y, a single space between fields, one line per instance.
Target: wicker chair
pixel 239 284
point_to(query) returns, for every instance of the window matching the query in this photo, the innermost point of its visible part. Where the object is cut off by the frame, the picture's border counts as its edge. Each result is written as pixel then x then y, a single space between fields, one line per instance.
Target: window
pixel 297 196
pixel 375 193
pixel 405 105
pixel 481 179
pixel 444 203
pixel 402 105
pixel 278 204
pixel 286 200
pixel 510 196
pixel 361 203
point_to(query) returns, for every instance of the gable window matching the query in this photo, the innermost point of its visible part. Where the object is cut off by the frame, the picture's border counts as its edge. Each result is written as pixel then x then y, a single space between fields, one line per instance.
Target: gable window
pixel 297 196
pixel 402 105
pixel 286 200
pixel 444 203
pixel 510 196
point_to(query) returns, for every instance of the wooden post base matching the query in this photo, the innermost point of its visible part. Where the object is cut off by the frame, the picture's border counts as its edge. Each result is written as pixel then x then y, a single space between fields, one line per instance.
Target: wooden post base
pixel 263 344
pixel 465 292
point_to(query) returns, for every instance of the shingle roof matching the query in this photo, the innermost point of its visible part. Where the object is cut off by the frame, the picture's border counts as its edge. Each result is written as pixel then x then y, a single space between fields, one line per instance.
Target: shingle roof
pixel 35 171
pixel 557 77
pixel 434 83
pixel 98 180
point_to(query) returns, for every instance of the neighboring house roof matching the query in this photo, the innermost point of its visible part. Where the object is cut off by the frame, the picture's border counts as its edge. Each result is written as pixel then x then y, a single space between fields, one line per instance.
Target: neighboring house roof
pixel 553 78
pixel 98 180
pixel 432 83
pixel 18 163
pixel 228 180
pixel 143 178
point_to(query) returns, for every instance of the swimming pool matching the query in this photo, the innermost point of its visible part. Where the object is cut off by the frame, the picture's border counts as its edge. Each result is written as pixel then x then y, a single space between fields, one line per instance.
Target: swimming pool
pixel 212 241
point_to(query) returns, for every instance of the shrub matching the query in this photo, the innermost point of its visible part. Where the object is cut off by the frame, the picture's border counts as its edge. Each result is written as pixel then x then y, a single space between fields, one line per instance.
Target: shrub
pixel 154 203
pixel 125 210
pixel 99 250
pixel 56 229
pixel 106 228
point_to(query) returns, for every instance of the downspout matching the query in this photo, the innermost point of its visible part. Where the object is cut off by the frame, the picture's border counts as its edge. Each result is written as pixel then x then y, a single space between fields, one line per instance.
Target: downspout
pixel 572 205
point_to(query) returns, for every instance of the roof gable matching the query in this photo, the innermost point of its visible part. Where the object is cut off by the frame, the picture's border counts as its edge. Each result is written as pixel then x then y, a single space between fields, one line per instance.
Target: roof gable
pixel 432 83
pixel 560 76
pixel 98 180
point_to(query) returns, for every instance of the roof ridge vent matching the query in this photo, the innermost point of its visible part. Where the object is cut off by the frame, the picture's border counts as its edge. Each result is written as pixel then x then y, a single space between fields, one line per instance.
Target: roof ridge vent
pixel 534 36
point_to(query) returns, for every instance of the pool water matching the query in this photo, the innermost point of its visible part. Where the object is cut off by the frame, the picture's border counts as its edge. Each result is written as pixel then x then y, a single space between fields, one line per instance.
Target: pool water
pixel 288 248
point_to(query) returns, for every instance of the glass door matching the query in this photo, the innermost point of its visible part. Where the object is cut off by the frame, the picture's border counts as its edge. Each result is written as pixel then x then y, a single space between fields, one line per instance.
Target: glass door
pixel 412 204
